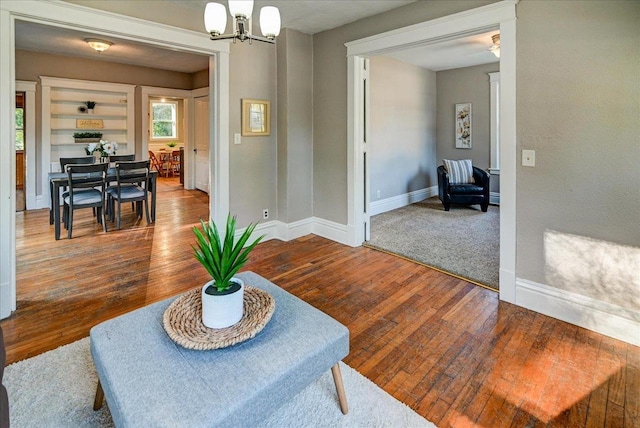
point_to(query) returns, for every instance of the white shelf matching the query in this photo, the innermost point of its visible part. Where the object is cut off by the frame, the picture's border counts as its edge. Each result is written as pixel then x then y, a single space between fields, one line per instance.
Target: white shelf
pixel 61 99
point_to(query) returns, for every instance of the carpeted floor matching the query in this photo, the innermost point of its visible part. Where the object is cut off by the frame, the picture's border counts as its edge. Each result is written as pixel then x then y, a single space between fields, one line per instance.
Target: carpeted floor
pixel 463 241
pixel 56 389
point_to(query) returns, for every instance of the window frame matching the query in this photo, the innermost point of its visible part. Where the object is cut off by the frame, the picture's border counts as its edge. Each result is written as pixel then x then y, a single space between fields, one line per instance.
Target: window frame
pixel 175 105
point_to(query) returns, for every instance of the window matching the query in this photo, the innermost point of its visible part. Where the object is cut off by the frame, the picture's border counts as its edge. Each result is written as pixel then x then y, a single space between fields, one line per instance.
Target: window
pixel 163 120
pixel 20 121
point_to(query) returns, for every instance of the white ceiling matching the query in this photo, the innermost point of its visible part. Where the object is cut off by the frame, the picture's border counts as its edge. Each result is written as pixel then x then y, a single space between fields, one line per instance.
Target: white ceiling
pixel 306 16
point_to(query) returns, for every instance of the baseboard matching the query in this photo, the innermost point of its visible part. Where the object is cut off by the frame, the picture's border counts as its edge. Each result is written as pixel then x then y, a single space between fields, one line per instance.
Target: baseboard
pixel 42 202
pixel 288 231
pixel 331 230
pixel 5 300
pixel 494 198
pixel 395 202
pixel 601 317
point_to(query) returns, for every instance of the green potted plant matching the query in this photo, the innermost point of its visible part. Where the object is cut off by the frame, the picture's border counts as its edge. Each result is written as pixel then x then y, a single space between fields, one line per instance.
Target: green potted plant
pixel 87 137
pixel 90 106
pixel 223 296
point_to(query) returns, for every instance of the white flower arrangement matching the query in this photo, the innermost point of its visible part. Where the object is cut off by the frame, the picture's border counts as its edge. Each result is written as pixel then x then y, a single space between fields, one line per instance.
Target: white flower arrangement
pixel 105 148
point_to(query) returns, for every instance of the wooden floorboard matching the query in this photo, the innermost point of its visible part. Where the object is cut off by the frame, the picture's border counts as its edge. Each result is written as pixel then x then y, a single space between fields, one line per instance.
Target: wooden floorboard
pixel 447 348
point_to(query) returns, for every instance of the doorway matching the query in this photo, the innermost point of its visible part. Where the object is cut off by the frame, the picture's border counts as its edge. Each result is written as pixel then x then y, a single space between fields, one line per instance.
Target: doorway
pixel 73 17
pixel 499 16
pixel 201 140
pixel 21 176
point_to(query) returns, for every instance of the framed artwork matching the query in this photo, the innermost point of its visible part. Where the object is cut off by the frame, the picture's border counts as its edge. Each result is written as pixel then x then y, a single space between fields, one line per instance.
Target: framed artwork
pixel 463 126
pixel 256 117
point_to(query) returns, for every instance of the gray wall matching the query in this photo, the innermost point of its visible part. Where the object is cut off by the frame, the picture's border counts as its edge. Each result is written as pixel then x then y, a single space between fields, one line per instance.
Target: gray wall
pixel 469 84
pixel 253 164
pixel 577 107
pixel 295 126
pixel 403 120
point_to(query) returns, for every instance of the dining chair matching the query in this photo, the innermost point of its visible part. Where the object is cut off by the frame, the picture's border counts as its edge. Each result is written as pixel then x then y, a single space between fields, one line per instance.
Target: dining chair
pixel 87 186
pixel 132 184
pixel 156 164
pixel 120 158
pixel 174 163
pixel 81 160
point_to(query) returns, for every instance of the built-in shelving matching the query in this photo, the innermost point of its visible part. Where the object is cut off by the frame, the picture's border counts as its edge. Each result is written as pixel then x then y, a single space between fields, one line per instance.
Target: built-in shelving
pixel 61 101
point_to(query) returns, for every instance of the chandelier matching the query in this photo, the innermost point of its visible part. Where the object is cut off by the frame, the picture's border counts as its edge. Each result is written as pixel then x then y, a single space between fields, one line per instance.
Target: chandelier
pixel 215 21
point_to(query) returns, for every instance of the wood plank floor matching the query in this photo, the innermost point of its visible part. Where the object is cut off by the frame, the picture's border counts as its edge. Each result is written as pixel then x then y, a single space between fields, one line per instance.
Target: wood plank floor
pixel 449 349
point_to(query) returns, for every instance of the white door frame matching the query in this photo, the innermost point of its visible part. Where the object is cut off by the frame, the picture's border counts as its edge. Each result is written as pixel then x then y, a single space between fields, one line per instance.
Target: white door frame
pixel 71 16
pixel 500 15
pixel 186 96
pixel 29 88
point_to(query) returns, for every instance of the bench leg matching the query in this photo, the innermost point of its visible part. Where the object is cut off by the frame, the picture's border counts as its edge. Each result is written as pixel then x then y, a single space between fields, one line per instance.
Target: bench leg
pixel 337 379
pixel 97 403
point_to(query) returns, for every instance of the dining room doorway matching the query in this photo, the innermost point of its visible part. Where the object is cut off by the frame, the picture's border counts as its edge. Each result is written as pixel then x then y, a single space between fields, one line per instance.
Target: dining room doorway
pixel 21 175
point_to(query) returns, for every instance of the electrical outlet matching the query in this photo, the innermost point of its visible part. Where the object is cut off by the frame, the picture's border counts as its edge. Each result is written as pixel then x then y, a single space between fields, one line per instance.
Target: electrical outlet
pixel 265 213
pixel 378 194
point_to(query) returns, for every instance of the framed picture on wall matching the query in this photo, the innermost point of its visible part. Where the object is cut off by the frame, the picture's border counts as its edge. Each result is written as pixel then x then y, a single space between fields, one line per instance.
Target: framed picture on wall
pixel 256 117
pixel 463 126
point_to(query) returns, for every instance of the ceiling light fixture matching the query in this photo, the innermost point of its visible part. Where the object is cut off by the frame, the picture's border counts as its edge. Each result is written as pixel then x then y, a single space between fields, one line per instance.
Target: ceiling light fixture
pixel 215 21
pixel 495 48
pixel 99 45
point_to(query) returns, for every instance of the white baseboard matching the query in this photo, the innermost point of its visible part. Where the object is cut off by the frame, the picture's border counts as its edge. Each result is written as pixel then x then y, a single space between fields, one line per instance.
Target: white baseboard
pixel 288 231
pixel 42 202
pixel 395 202
pixel 601 317
pixel 494 198
pixel 331 230
pixel 5 300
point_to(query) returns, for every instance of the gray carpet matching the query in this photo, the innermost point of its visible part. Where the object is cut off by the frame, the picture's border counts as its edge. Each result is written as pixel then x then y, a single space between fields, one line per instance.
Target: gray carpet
pixel 464 241
pixel 56 389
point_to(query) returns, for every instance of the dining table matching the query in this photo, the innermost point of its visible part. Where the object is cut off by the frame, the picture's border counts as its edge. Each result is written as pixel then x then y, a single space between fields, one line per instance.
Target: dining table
pixel 60 179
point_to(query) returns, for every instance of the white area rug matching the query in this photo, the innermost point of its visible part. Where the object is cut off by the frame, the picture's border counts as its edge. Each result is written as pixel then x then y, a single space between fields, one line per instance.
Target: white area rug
pixel 57 388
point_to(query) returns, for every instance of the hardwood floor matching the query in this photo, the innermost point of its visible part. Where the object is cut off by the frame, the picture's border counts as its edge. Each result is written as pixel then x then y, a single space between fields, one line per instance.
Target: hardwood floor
pixel 449 349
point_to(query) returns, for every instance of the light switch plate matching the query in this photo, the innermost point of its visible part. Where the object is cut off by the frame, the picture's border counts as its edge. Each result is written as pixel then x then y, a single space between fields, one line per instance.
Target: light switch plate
pixel 528 158
pixel 237 139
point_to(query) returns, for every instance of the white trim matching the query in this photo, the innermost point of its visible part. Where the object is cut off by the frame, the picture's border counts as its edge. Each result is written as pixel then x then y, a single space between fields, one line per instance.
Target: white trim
pixel 449 27
pixel 70 16
pixel 399 201
pixel 508 160
pixel 494 120
pixel 7 165
pixel 500 15
pixel 596 315
pixel 219 137
pixel 330 230
pixel 494 198
pixel 286 232
pixel 29 88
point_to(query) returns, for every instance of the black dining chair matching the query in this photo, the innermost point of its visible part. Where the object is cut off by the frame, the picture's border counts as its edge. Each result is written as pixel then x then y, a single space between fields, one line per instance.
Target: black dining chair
pixel 81 160
pixel 132 185
pixel 121 158
pixel 87 187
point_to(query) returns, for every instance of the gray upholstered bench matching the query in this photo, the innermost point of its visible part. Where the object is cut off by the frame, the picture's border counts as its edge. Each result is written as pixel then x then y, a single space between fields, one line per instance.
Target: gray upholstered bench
pixel 148 380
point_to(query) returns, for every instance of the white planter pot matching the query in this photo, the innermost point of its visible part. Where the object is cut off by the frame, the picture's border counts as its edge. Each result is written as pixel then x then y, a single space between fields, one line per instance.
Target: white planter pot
pixel 220 311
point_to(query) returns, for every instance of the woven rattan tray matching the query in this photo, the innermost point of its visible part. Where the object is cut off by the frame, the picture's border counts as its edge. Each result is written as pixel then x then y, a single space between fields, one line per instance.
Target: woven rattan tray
pixel 183 320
